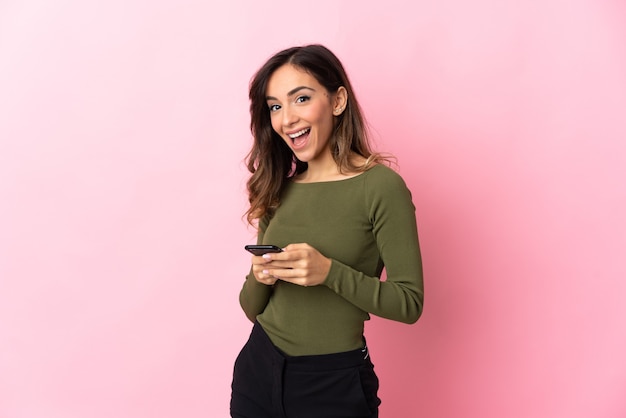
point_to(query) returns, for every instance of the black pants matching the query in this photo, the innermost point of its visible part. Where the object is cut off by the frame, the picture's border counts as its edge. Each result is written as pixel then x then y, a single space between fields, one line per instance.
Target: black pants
pixel 269 384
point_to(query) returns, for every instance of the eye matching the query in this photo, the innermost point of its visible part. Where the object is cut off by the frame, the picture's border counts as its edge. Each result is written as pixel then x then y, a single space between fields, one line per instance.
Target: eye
pixel 302 99
pixel 274 107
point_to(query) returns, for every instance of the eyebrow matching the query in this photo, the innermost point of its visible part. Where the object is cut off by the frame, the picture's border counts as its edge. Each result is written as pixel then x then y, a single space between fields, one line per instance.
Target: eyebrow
pixel 291 92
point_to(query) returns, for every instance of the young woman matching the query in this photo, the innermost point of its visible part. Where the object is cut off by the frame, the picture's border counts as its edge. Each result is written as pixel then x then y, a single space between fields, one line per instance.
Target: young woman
pixel 340 215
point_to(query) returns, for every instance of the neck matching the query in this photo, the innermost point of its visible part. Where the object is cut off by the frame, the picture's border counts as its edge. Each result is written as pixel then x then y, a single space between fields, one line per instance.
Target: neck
pixel 325 170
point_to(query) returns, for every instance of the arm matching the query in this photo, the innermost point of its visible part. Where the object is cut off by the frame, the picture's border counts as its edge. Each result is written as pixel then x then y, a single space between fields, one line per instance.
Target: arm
pixel 392 216
pixel 254 295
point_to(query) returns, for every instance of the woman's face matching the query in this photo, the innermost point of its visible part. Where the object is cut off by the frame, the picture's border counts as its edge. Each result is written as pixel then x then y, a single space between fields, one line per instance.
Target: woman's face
pixel 302 112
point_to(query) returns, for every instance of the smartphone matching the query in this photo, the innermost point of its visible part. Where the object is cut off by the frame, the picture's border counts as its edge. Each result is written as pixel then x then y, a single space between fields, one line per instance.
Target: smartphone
pixel 262 249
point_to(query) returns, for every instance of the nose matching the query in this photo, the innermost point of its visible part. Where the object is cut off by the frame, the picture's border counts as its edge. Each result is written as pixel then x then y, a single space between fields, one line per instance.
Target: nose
pixel 289 116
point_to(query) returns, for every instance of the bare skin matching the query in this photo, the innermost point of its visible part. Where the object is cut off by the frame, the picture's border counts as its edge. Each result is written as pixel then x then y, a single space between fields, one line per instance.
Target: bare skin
pixel 299 264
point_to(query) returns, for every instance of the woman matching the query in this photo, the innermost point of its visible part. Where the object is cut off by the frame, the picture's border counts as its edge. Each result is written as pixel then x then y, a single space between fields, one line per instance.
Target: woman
pixel 340 216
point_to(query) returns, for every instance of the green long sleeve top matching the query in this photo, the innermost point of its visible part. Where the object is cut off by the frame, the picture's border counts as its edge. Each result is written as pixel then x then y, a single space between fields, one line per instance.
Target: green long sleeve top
pixel 363 224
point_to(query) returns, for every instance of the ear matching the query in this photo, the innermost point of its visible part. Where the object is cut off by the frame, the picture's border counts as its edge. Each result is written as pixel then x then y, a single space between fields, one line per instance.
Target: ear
pixel 340 101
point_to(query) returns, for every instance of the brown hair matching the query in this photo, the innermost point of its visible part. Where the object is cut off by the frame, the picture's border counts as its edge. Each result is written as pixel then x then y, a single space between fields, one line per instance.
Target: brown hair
pixel 271 161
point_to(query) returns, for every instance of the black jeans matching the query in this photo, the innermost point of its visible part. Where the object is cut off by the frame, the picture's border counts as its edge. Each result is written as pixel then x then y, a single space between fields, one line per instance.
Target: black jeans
pixel 269 384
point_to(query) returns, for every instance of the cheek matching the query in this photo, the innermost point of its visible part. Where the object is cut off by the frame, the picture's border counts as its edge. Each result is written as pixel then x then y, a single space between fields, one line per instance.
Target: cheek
pixel 320 114
pixel 325 120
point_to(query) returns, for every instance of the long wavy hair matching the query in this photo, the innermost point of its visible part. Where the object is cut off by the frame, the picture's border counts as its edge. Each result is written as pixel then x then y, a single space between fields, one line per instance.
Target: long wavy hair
pixel 271 161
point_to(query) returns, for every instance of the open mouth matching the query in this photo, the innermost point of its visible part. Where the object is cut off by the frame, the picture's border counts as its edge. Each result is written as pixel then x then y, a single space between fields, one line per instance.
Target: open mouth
pixel 300 137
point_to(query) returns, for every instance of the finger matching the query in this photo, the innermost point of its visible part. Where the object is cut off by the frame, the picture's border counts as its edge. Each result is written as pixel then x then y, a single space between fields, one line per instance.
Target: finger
pixel 300 281
pixel 260 270
pixel 257 260
pixel 270 273
pixel 263 276
pixel 297 246
pixel 279 265
pixel 286 273
pixel 282 256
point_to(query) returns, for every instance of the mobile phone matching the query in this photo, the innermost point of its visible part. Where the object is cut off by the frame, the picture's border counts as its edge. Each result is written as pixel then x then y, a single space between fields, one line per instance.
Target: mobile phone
pixel 262 249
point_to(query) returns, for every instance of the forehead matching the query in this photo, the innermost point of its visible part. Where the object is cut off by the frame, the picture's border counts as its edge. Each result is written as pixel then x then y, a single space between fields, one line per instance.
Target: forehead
pixel 289 77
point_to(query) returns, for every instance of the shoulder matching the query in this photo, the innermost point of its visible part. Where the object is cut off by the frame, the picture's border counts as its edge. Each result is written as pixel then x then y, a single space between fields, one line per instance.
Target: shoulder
pixel 384 178
pixel 387 195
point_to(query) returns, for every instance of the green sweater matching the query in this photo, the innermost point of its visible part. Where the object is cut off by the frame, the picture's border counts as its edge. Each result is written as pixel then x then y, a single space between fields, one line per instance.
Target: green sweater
pixel 363 224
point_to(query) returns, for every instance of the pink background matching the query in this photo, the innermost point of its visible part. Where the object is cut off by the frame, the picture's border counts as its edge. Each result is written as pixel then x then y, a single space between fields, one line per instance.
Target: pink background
pixel 123 126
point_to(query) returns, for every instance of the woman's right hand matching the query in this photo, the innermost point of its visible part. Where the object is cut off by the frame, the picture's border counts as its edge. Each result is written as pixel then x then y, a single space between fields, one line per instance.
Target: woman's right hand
pixel 260 266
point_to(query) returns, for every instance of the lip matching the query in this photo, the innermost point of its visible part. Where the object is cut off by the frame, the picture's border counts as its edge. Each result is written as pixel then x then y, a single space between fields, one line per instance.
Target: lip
pixel 301 141
pixel 295 131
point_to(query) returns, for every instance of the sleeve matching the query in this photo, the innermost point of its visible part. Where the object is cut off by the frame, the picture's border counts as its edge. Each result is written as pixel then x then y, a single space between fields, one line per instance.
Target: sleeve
pixel 392 215
pixel 254 296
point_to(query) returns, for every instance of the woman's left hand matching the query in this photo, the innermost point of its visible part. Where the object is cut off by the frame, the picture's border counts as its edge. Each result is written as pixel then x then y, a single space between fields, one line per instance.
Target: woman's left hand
pixel 299 264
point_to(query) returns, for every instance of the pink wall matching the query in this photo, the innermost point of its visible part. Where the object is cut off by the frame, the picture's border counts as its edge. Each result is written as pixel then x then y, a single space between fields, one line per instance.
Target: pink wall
pixel 123 126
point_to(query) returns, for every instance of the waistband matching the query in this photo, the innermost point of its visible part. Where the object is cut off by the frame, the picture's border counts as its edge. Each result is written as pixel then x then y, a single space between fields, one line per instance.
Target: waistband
pixel 321 362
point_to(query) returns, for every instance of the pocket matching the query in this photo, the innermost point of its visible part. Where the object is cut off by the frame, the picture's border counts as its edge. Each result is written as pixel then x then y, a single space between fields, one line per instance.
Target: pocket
pixel 251 385
pixel 315 394
pixel 252 373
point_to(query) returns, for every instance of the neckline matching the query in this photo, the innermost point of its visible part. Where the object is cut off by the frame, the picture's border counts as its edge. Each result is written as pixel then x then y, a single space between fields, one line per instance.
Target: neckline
pixel 347 179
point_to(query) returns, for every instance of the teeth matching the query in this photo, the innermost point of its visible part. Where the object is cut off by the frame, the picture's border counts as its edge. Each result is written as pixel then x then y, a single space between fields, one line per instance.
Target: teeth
pixel 299 133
